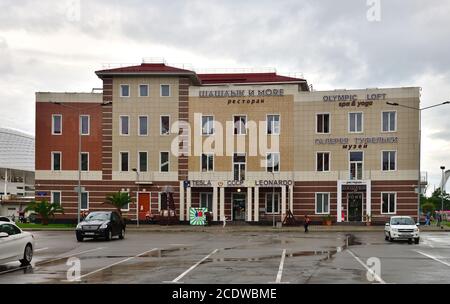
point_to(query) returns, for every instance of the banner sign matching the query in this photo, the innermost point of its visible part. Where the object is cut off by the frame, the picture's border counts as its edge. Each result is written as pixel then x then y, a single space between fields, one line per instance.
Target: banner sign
pixel 197 216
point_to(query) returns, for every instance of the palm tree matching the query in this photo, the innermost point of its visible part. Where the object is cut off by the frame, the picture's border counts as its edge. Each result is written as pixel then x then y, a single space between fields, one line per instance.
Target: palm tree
pixel 44 209
pixel 118 200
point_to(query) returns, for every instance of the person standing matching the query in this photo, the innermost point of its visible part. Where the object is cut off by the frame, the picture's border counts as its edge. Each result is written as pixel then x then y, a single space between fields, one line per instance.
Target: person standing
pixel 306 223
pixel 438 218
pixel 427 219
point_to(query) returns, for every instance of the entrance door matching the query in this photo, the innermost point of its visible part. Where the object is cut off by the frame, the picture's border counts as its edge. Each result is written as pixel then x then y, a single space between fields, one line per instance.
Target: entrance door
pixel 238 206
pixel 355 205
pixel 144 205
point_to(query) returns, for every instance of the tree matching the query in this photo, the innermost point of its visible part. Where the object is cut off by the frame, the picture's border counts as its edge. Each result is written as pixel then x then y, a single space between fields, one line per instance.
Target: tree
pixel 44 209
pixel 435 200
pixel 118 200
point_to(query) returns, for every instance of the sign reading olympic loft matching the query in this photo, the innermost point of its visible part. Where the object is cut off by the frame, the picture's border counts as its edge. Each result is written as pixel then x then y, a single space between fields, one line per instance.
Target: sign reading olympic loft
pixel 234 183
pixel 347 100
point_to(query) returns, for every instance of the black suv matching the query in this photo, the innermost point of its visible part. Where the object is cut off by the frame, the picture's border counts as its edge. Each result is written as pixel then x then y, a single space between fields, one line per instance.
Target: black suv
pixel 101 224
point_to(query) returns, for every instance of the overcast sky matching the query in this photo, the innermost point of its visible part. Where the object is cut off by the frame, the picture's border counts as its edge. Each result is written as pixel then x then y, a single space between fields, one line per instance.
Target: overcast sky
pixel 57 45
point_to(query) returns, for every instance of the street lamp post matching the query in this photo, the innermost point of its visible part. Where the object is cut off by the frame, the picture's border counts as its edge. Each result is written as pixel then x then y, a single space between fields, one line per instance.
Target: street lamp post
pixel 78 109
pixel 419 186
pixel 442 188
pixel 137 196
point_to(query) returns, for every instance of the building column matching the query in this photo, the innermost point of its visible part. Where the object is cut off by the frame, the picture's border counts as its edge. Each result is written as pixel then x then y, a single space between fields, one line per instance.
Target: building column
pixel 181 201
pixel 283 203
pixel 291 198
pixel 256 210
pixel 369 197
pixel 339 202
pixel 188 202
pixel 222 203
pixel 214 204
pixel 249 204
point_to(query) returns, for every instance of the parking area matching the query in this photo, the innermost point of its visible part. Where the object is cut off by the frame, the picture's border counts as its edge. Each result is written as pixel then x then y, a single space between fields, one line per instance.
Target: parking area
pixel 235 257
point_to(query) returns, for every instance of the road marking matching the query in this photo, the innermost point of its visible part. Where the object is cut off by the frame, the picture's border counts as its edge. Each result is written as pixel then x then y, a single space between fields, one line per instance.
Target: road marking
pixel 376 276
pixel 177 279
pixel 117 263
pixel 280 269
pixel 433 257
pixel 40 249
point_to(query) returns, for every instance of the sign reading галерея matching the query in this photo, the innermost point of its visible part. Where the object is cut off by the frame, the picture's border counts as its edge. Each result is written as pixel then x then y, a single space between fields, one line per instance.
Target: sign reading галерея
pixel 240 93
pixel 357 143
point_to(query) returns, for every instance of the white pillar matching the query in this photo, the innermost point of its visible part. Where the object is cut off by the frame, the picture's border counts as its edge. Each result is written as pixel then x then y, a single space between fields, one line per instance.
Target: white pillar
pixel 222 204
pixel 6 182
pixel 283 203
pixel 181 201
pixel 291 198
pixel 256 211
pixel 369 197
pixel 214 204
pixel 188 202
pixel 339 201
pixel 249 204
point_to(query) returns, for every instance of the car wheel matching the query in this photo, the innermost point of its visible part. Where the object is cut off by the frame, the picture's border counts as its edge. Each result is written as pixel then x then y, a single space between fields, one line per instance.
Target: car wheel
pixel 27 255
pixel 386 238
pixel 416 240
pixel 390 239
pixel 108 235
pixel 409 241
pixel 79 237
pixel 122 234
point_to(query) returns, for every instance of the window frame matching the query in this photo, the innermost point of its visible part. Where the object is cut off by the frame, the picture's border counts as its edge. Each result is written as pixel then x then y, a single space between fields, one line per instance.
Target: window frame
pixel 267 123
pixel 87 200
pixel 356 124
pixel 213 125
pixel 395 120
pixel 389 201
pixel 120 90
pixel 120 125
pixel 207 195
pixel 329 161
pixel 160 89
pixel 389 161
pixel 139 125
pixel 139 161
pixel 323 205
pixel 53 161
pixel 53 124
pixel 329 122
pixel 350 162
pixel 267 162
pixel 52 200
pixel 246 121
pixel 168 162
pixel 148 89
pixel 88 124
pixel 88 162
pixel 120 161
pixel 160 125
pixel 267 199
pixel 208 154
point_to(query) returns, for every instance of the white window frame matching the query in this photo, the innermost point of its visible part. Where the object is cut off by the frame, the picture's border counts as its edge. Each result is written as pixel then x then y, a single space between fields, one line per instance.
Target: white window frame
pixel 120 125
pixel 246 121
pixel 160 125
pixel 128 205
pixel 395 202
pixel 329 160
pixel 267 199
pixel 201 159
pixel 395 119
pixel 160 89
pixel 87 200
pixel 88 124
pixel 279 123
pixel 139 125
pixel 232 164
pixel 329 122
pixel 328 202
pixel 213 125
pixel 267 162
pixel 395 160
pixel 52 198
pixel 200 200
pixel 120 161
pixel 53 124
pixel 168 162
pixel 88 162
pixel 139 89
pixel 139 161
pixel 349 163
pixel 356 124
pixel 52 161
pixel 120 90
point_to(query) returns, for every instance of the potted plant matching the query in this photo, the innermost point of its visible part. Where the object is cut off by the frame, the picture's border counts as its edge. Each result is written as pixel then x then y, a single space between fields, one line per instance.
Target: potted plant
pixel 44 209
pixel 327 220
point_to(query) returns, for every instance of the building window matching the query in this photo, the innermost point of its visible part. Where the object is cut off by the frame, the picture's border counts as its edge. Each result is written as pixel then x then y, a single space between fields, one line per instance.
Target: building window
pixel 239 166
pixel 207 162
pixel 143 125
pixel 240 124
pixel 323 123
pixel 356 165
pixel 84 159
pixel 389 160
pixel 165 90
pixel 143 161
pixel 273 162
pixel 56 161
pixel 273 124
pixel 124 125
pixel 124 160
pixel 164 161
pixel 322 203
pixel 389 121
pixel 323 161
pixel 206 201
pixel 124 90
pixel 56 197
pixel 272 203
pixel 388 202
pixel 56 124
pixel 84 124
pixel 84 201
pixel 207 125
pixel 355 122
pixel 165 125
pixel 143 90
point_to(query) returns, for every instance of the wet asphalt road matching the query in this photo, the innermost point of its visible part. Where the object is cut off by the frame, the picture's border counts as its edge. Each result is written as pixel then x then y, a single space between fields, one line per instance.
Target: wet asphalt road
pixel 227 257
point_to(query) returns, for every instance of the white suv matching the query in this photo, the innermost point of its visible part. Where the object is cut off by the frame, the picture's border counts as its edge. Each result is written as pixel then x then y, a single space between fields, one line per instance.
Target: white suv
pixel 401 228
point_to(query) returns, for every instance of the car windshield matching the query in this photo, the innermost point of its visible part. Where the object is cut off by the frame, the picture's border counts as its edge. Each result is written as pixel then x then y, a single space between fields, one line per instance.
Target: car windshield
pixel 402 221
pixel 98 216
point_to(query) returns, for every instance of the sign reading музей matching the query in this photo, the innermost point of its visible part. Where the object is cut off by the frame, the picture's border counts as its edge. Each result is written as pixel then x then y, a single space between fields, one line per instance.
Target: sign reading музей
pixel 248 96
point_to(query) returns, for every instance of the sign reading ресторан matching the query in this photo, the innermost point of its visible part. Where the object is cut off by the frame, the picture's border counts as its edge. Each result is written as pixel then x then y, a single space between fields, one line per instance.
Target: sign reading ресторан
pixel 240 93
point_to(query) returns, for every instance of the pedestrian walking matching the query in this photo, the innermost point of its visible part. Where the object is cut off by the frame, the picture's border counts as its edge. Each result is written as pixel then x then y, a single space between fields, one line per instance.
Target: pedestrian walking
pixel 427 218
pixel 306 223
